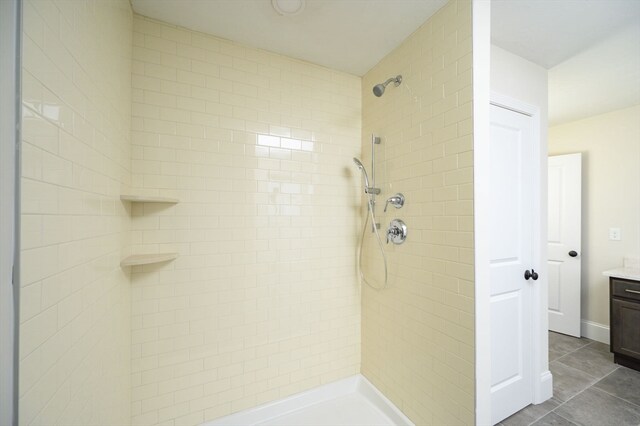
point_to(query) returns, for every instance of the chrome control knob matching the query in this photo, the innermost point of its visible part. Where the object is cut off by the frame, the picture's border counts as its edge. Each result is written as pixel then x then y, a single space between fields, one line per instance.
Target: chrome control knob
pixel 397 232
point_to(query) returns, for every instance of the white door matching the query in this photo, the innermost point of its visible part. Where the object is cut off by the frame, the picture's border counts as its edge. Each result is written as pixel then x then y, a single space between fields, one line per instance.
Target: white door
pixel 511 254
pixel 565 189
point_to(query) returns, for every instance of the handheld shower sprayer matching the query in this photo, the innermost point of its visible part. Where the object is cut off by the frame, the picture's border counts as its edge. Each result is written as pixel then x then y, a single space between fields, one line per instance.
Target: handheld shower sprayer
pixel 367 187
pixel 371 193
pixel 363 170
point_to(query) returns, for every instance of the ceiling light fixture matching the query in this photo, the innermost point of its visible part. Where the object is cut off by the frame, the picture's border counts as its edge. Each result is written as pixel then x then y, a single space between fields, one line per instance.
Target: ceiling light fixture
pixel 288 7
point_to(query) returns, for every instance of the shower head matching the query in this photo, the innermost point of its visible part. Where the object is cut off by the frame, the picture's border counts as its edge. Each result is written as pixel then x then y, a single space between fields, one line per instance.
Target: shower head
pixel 364 172
pixel 378 89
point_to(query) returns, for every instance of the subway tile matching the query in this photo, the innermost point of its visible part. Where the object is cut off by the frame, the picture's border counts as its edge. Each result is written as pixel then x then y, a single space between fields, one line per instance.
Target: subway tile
pixel 263 156
pixel 440 153
pixel 72 131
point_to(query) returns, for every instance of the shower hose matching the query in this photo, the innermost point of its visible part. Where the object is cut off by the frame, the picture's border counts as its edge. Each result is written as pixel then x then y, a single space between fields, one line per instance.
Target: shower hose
pixel 384 256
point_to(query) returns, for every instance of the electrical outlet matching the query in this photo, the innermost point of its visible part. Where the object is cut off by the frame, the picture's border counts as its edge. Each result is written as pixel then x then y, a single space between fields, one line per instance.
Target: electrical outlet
pixel 614 234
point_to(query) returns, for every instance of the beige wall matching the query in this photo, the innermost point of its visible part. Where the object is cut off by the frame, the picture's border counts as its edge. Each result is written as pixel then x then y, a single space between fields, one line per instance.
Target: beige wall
pixel 418 334
pixel 263 301
pixel 75 298
pixel 610 147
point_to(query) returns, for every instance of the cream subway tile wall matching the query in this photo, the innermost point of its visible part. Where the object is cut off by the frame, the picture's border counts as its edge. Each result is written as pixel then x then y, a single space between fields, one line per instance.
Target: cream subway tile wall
pixel 263 301
pixel 418 334
pixel 75 337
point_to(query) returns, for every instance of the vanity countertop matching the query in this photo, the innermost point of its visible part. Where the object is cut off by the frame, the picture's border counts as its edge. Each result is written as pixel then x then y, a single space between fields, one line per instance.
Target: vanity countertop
pixel 630 269
pixel 627 273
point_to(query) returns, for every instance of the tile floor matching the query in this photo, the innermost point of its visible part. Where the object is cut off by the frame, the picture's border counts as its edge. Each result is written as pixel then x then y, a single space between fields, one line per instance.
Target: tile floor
pixel 588 388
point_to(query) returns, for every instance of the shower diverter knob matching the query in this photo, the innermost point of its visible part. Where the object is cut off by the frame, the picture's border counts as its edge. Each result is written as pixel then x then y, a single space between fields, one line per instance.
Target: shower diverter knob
pixel 396 201
pixel 397 232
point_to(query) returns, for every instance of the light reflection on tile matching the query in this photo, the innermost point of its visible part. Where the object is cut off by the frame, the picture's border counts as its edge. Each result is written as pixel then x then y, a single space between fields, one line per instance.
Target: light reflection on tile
pixel 267 140
pixel 291 143
pixel 281 154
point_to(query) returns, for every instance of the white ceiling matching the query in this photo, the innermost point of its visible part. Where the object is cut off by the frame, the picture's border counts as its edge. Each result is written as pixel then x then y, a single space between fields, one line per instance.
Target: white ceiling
pixel 590 47
pixel 548 32
pixel 346 35
pixel 603 78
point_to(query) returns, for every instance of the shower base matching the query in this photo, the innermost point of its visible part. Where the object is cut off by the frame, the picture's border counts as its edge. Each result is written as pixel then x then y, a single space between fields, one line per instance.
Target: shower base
pixel 347 402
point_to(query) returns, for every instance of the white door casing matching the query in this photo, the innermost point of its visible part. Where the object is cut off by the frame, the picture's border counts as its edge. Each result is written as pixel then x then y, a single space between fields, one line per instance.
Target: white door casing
pixel 564 236
pixel 512 183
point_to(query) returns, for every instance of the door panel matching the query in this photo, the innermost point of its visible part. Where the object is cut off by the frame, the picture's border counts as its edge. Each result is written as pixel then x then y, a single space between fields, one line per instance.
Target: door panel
pixel 508 361
pixel 506 193
pixel 511 253
pixel 564 232
pixel 554 290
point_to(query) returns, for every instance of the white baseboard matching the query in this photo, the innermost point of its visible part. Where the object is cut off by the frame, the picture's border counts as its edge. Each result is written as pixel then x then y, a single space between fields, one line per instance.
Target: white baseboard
pixel 544 390
pixel 594 331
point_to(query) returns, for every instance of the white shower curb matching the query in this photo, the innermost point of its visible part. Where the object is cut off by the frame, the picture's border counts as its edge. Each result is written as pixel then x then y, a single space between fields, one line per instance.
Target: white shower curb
pixel 351 385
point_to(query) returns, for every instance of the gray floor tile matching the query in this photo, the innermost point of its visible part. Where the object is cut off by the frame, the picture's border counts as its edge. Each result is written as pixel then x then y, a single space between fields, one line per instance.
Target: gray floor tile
pixel 564 344
pixel 552 419
pixel 530 414
pixel 591 359
pixel 599 346
pixel 568 381
pixel 623 383
pixel 579 398
pixel 553 355
pixel 594 407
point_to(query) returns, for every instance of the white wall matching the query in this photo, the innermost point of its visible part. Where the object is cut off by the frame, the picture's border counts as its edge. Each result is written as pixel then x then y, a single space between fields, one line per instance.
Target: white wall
pixel 518 78
pixel 610 146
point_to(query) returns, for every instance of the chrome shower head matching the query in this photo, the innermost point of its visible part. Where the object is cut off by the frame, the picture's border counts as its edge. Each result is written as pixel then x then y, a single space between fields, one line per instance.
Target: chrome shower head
pixel 378 89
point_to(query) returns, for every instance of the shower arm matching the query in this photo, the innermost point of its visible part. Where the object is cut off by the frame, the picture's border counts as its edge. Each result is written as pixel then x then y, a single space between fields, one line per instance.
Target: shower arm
pixel 394 79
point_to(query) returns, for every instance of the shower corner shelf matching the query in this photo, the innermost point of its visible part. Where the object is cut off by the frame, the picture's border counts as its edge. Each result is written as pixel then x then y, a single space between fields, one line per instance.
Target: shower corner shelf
pixel 146 259
pixel 148 199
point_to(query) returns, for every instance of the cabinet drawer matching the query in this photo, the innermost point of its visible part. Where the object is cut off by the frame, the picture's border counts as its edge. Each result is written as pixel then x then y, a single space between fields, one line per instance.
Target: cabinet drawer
pixel 625 288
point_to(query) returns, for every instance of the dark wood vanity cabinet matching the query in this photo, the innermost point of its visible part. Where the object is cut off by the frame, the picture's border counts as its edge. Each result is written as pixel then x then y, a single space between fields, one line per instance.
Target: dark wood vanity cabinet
pixel 625 321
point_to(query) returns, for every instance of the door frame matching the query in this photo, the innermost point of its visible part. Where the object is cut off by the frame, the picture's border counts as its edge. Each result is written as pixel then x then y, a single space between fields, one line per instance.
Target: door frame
pixel 542 378
pixel 10 117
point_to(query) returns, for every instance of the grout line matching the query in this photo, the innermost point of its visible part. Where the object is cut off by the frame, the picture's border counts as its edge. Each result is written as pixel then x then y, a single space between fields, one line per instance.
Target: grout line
pixel 573 397
pixel 615 396
pixel 543 414
pixel 562 417
pixel 609 393
pixel 584 372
